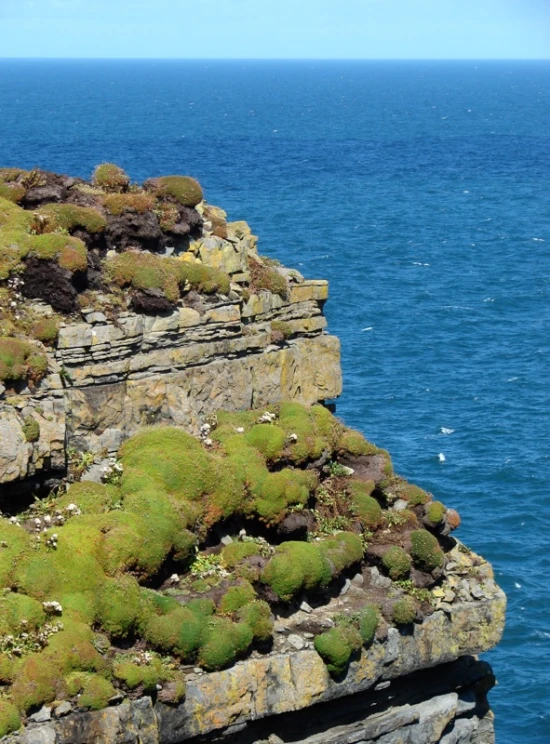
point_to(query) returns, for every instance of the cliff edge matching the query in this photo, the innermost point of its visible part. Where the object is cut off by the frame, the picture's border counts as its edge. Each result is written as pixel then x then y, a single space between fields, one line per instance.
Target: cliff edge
pixel 192 547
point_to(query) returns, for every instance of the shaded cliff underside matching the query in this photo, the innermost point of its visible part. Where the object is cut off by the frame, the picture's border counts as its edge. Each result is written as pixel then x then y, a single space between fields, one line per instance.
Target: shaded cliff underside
pixel 217 578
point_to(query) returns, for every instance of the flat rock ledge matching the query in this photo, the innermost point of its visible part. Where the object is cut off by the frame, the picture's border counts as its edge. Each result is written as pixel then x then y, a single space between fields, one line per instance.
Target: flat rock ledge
pixel 276 699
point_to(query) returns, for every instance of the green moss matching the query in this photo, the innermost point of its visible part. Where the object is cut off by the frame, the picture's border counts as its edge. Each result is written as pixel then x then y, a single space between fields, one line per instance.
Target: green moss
pixel 414 495
pixel 280 330
pixel 236 552
pixel 117 204
pixel 263 277
pixel 267 439
pixel 342 550
pixel 274 493
pixel 13 192
pixel 179 632
pixel 298 420
pixel 110 177
pixel 70 253
pixel 38 682
pixel 396 562
pixel 20 613
pixel 404 611
pixel 202 606
pixel 335 647
pixel 435 512
pixel 145 271
pixel 204 279
pixel 120 607
pixel 367 508
pixel 17 544
pixel 31 429
pixel 51 217
pixel 183 189
pixel 257 615
pixel 296 567
pixel 236 597
pixel 7 671
pixel 425 550
pixel 20 360
pixel 368 623
pixel 354 443
pixel 10 720
pixel 45 330
pixel 224 641
pixel 94 691
pixel 147 676
pixel 89 497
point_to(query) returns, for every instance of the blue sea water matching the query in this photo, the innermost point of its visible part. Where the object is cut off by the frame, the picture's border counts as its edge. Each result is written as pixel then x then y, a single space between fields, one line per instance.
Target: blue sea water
pixel 420 190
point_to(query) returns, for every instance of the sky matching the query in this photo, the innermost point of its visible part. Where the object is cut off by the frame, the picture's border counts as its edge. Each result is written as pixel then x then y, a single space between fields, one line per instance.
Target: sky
pixel 280 29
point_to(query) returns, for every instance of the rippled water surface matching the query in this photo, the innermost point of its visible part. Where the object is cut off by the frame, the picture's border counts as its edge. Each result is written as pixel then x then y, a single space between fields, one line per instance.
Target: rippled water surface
pixel 420 191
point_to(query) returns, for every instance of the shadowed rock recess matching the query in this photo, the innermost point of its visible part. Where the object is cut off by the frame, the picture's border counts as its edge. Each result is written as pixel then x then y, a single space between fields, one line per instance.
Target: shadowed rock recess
pixel 193 548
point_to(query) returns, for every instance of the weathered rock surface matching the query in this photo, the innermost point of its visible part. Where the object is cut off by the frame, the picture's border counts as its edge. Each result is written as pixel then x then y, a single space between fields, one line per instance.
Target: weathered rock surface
pixel 110 379
pixel 270 688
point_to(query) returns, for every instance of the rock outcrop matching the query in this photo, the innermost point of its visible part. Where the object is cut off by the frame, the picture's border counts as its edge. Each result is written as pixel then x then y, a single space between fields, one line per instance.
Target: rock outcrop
pixel 217 558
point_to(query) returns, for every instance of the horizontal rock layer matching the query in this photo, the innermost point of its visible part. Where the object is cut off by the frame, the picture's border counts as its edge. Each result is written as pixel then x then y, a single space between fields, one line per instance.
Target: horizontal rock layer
pixel 109 379
pixel 269 688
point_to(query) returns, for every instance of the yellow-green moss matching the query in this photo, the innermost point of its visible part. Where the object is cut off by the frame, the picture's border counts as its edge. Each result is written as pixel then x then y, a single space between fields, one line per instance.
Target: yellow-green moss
pixel 70 253
pixel 183 189
pixel 342 550
pixel 296 567
pixel 435 512
pixel 236 597
pixel 110 177
pixel 404 611
pixel 51 217
pixel 267 439
pixel 267 278
pixel 20 360
pixel 45 330
pixel 31 429
pixel 94 691
pixel 10 720
pixel 396 562
pixel 414 495
pixel 336 646
pixel 425 550
pixel 117 204
pixel 235 552
pixel 223 642
pixel 366 506
pixel 257 615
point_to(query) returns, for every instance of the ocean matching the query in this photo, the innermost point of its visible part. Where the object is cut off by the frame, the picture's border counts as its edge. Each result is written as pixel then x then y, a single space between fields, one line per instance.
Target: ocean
pixel 420 190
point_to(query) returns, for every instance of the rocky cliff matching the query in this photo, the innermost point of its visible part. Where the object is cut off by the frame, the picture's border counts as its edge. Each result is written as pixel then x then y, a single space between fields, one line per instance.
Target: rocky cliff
pixel 211 554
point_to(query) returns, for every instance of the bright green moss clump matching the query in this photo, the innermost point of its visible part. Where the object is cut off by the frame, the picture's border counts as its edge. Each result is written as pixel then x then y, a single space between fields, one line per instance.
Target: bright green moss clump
pixel 257 615
pixel 10 720
pixel 342 550
pixel 367 507
pixel 45 330
pixel 224 641
pixel 425 551
pixel 110 177
pixel 236 552
pixel 94 691
pixel 236 597
pixel 296 567
pixel 368 623
pixel 435 512
pixel 268 439
pixel 397 563
pixel 336 646
pixel 70 253
pixel 20 360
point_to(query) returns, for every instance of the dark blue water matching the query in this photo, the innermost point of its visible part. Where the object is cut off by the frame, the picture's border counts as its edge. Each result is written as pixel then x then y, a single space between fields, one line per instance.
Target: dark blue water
pixel 421 191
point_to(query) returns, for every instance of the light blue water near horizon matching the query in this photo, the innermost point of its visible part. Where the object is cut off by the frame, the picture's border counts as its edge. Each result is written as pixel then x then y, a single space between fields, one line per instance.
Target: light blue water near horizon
pixel 420 190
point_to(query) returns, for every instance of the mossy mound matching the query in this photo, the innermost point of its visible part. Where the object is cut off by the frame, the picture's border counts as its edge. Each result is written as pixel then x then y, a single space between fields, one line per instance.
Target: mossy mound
pixel 53 216
pixel 78 588
pixel 183 189
pixel 110 177
pixel 396 562
pixel 10 720
pixel 426 551
pixel 20 360
pixel 117 204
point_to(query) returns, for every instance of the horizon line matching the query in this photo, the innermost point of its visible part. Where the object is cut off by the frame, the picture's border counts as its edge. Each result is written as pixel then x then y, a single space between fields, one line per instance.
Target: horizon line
pixel 277 59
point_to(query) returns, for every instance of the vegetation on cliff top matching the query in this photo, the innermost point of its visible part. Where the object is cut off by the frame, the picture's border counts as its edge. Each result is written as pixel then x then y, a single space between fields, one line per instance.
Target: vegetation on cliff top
pixel 76 571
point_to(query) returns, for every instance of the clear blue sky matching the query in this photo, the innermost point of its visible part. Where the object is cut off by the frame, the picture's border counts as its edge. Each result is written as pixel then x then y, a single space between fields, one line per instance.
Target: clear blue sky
pixel 365 29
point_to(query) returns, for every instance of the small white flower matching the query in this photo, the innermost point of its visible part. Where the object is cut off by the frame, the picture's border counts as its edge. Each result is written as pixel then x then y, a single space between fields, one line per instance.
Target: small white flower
pixel 240 429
